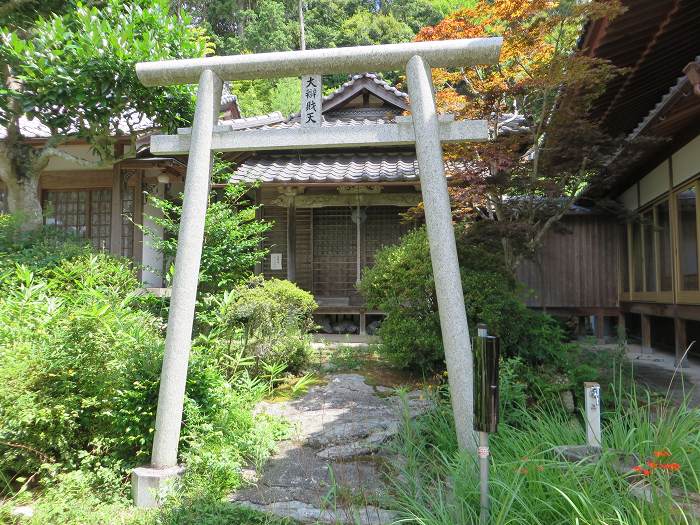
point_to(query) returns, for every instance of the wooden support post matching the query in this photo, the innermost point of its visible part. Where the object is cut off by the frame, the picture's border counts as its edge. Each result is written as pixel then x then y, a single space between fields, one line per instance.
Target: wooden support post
pixel 621 328
pixel 291 240
pixel 681 339
pixel 115 234
pixel 646 334
pixel 363 322
pixel 600 328
pixel 258 269
pixel 138 219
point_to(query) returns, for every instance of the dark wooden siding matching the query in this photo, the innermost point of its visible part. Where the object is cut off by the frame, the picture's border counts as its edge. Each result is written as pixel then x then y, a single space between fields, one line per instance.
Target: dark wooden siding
pixel 577 269
pixel 304 248
pixel 275 240
pixel 383 227
pixel 334 252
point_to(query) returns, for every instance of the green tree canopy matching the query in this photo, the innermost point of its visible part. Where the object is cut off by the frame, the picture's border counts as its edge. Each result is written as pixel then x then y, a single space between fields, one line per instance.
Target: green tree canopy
pixel 75 74
pixel 255 26
pixel 269 29
pixel 365 28
pixel 416 14
pixel 21 14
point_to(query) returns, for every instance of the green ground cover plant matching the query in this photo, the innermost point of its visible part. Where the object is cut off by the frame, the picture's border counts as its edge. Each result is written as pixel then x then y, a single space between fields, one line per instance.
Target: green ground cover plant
pixel 80 359
pixel 531 484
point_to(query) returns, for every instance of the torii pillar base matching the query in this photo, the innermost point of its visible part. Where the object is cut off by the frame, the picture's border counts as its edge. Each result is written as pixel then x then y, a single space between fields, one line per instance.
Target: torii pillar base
pixel 150 486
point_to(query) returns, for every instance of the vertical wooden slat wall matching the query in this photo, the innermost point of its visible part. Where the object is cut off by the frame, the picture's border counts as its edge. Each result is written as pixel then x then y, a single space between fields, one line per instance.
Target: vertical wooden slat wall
pixel 334 249
pixel 304 248
pixel 579 268
pixel 275 240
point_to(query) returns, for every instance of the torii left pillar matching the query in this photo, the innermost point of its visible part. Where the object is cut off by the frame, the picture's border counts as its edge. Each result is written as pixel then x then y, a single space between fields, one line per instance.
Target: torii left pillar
pixel 149 484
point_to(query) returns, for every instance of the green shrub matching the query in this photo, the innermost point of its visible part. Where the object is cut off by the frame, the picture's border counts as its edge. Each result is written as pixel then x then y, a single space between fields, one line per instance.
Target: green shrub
pixel 513 390
pixel 80 362
pixel 232 238
pixel 266 323
pixel 36 249
pixel 401 284
pixel 77 376
pixel 80 371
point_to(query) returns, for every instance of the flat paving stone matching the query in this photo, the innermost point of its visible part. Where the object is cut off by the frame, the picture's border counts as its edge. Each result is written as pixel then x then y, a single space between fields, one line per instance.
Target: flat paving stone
pixel 331 470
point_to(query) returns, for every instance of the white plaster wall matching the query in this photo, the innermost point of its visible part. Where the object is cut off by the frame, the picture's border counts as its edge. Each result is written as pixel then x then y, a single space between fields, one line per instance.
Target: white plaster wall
pixel 629 198
pixel 654 184
pixel 81 151
pixel 686 161
pixel 175 188
pixel 151 276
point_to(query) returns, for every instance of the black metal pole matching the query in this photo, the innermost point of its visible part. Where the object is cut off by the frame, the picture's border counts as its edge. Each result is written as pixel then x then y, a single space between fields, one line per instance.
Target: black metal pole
pixel 486 355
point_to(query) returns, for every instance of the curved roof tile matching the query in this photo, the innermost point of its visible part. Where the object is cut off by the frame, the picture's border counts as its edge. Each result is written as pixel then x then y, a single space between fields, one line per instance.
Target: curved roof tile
pixel 333 167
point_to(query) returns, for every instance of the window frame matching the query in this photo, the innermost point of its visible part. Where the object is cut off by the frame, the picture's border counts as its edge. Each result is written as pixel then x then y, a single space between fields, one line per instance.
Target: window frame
pixel 88 212
pixel 657 296
pixel 684 296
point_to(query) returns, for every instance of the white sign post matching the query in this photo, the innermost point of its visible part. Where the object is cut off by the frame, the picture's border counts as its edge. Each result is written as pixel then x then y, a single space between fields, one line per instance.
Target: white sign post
pixel 591 394
pixel 424 129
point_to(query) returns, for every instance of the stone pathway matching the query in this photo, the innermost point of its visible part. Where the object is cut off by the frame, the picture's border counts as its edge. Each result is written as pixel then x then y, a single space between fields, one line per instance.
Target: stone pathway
pixel 331 470
pixel 655 371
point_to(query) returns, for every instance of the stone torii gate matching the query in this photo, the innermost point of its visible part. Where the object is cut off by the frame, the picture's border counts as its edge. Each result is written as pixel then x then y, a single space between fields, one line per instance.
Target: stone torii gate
pixel 424 129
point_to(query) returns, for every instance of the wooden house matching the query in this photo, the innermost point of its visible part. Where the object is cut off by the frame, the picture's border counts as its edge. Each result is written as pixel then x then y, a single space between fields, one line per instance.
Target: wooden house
pixel 331 209
pixel 643 270
pixel 103 203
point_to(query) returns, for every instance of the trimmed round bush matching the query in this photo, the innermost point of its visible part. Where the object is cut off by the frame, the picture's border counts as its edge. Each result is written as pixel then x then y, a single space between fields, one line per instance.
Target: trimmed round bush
pixel 401 285
pixel 263 323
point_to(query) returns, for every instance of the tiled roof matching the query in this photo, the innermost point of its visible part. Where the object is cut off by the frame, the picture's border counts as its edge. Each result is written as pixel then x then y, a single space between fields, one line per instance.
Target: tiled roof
pixel 34 128
pixel 510 123
pixel 30 128
pixel 324 123
pixel 371 76
pixel 680 84
pixel 332 167
pixel 390 90
pixel 254 122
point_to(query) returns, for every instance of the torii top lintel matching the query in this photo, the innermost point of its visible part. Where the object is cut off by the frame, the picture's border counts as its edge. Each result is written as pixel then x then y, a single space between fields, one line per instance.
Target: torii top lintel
pixel 446 53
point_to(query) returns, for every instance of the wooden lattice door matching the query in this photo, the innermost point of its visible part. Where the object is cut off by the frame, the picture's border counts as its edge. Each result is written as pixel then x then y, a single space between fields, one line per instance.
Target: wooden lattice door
pixel 382 227
pixel 334 252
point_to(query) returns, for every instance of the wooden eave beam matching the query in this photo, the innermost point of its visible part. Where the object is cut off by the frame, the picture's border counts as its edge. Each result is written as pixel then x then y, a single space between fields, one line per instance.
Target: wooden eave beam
pixel 594 36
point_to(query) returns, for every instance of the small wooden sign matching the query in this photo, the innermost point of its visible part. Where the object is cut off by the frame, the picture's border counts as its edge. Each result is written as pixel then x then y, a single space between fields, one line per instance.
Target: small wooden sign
pixel 311 94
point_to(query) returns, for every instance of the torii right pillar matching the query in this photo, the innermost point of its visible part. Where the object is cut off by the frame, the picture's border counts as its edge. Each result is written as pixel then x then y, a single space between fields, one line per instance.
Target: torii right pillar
pixel 443 249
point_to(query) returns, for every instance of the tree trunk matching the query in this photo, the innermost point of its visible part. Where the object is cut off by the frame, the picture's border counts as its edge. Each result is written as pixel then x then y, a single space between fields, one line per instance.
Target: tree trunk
pixel 19 168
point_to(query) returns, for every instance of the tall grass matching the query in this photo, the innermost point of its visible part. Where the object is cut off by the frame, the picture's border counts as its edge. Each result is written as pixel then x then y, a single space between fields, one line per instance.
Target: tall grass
pixel 531 484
